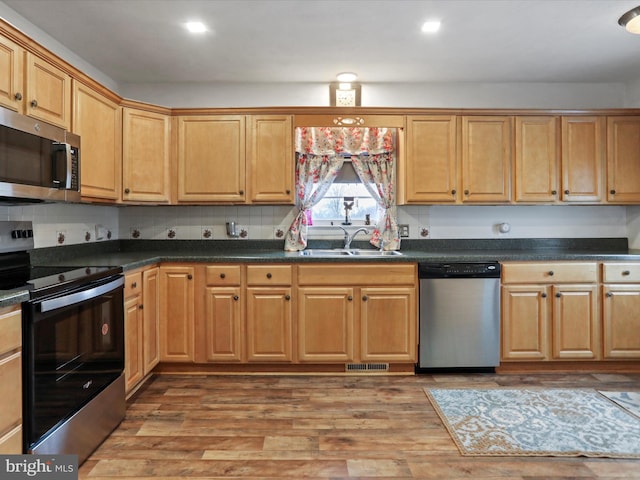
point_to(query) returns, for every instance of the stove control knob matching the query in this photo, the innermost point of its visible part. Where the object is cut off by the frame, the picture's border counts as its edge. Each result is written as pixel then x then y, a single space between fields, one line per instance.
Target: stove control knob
pixel 15 233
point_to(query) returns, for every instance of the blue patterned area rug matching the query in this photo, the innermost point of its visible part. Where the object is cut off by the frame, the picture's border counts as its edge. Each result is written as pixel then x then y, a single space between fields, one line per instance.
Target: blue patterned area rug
pixel 536 422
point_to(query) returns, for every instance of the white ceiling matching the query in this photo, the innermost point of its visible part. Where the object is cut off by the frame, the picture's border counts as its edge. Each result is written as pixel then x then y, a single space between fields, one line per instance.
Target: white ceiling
pixel 143 41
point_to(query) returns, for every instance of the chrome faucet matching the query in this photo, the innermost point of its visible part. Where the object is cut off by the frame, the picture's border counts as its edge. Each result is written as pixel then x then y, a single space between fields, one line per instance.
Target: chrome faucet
pixel 348 237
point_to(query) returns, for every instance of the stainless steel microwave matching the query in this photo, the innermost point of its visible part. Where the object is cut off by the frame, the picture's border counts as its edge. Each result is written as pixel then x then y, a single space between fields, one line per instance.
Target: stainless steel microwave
pixel 39 162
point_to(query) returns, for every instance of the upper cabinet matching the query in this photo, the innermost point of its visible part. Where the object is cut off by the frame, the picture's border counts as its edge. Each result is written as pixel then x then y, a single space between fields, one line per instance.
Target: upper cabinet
pixel 235 159
pixel 145 156
pixel 33 86
pixel 431 170
pixel 537 163
pixel 623 159
pixel 582 159
pixel 486 159
pixel 98 121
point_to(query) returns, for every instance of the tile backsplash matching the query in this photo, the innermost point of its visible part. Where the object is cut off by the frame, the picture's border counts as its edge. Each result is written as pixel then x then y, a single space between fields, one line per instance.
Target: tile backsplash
pixel 76 223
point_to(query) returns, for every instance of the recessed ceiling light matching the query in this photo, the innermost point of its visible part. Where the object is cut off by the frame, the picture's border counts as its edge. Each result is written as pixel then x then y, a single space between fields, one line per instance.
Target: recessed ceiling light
pixel 431 26
pixel 196 27
pixel 346 77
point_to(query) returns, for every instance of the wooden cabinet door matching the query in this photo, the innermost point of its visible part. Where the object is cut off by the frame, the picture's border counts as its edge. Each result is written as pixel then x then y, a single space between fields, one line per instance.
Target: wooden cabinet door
pixel 223 324
pixel 575 323
pixel 271 159
pixel 431 170
pixel 177 321
pixel 211 158
pixel 150 318
pixel 388 324
pixel 326 324
pixel 133 365
pixel 11 402
pixel 98 121
pixel 623 159
pixel 145 156
pixel 621 321
pixel 486 159
pixel 269 328
pixel 537 162
pixel 11 75
pixel 582 159
pixel 525 320
pixel 48 90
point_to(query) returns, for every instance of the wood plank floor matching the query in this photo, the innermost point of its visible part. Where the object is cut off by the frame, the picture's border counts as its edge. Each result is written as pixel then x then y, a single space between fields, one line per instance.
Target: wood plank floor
pixel 317 427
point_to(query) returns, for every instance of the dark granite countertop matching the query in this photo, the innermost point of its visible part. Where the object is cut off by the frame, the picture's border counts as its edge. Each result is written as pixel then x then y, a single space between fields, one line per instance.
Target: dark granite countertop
pixel 132 254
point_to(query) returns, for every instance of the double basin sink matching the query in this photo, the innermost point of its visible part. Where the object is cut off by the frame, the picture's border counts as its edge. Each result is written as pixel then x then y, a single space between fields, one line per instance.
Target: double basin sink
pixel 350 252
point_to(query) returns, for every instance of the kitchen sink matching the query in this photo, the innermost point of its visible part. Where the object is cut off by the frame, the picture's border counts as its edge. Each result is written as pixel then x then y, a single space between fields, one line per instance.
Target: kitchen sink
pixel 352 252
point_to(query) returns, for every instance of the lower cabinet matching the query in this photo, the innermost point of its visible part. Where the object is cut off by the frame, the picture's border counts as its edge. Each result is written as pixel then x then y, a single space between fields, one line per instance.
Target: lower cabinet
pixel 11 380
pixel 550 311
pixel 177 312
pixel 141 325
pixel 369 316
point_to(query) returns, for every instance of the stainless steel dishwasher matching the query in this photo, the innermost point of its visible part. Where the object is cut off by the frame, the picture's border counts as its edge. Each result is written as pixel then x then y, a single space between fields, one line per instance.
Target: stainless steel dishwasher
pixel 459 315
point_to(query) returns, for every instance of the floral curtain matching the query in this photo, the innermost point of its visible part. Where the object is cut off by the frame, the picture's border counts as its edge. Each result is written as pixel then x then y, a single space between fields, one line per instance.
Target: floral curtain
pixel 314 176
pixel 319 157
pixel 378 176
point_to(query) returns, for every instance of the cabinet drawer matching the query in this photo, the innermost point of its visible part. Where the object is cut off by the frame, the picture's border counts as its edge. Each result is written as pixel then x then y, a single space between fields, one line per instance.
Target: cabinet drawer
pixel 132 284
pixel 269 274
pixel 11 328
pixel 348 274
pixel 11 384
pixel 621 272
pixel 11 443
pixel 550 272
pixel 223 275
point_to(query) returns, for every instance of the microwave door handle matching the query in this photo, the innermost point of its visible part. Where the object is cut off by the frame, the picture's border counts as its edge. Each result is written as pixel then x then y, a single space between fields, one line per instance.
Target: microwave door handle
pixel 79 297
pixel 61 152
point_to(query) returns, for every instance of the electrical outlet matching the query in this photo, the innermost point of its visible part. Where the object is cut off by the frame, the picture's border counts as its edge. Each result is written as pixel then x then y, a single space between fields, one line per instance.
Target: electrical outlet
pixel 404 230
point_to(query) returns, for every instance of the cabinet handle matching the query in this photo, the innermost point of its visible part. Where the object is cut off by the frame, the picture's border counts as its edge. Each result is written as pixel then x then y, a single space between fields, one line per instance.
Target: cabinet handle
pixel 554 192
pixel 236 297
pixel 241 192
pixel 189 277
pixel 350 298
pixel 288 191
pixel 466 192
pixel 626 272
pixel 34 103
pixel 18 96
pixel 222 275
pixel 612 192
pixel 287 297
pixel 134 284
pixel 551 273
pixel 544 295
pixel 127 191
pixel 453 192
pixel 141 307
pixel 566 192
pixel 269 275
pixel 609 294
pixel 558 295
pixel 365 298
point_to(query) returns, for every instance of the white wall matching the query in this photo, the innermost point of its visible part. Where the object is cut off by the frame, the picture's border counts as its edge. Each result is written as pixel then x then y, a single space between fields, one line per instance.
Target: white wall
pixel 633 226
pixel 632 94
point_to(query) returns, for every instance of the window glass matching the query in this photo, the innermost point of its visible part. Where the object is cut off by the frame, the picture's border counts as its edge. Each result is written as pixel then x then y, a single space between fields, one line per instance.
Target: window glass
pixel 332 206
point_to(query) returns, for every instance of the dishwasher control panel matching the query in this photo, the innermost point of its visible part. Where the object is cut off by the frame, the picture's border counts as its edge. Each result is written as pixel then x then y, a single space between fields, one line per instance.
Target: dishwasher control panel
pixel 467 269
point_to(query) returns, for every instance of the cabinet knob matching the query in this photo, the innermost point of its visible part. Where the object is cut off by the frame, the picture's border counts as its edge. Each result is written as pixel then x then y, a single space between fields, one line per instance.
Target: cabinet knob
pixel 269 275
pixel 551 273
pixel 453 192
pixel 566 192
pixel 626 272
pixel 288 192
pixel 287 297
pixel 554 192
pixel 141 307
pixel 241 192
pixel 34 103
pixel 544 295
pixel 18 96
pixel 609 294
pixel 189 277
pixel 236 297
pixel 222 275
pixel 612 192
pixel 350 298
pixel 466 192
pixel 134 284
pixel 365 298
pixel 127 191
pixel 558 295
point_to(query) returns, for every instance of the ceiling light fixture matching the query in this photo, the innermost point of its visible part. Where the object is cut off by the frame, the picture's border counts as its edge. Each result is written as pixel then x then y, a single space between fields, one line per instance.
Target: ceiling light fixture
pixel 346 77
pixel 431 26
pixel 196 27
pixel 631 20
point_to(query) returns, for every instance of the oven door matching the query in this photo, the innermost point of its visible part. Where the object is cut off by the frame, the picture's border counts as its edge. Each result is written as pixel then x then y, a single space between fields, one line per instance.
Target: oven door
pixel 73 349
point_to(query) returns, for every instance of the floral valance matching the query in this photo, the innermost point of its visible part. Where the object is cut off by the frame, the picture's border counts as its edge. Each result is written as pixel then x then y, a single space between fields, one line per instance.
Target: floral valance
pixel 344 140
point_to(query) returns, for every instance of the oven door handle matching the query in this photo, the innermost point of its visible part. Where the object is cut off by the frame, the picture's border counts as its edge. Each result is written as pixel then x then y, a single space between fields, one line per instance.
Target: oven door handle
pixel 82 296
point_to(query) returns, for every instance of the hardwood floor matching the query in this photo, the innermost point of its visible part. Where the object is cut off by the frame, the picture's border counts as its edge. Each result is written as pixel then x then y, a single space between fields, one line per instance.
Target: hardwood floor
pixel 321 427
